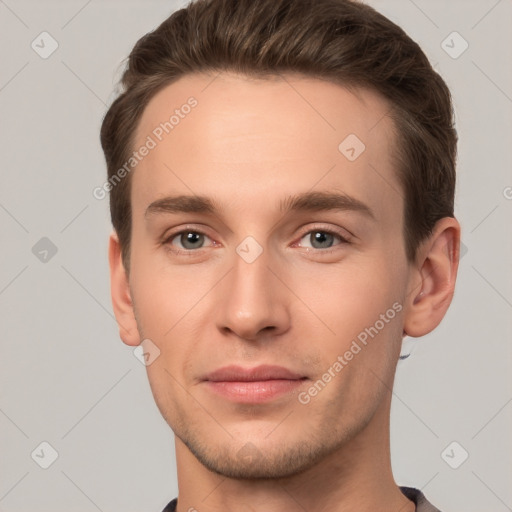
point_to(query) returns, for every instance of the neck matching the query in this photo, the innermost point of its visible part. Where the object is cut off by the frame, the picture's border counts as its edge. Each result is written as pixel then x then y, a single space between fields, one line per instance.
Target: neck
pixel 355 477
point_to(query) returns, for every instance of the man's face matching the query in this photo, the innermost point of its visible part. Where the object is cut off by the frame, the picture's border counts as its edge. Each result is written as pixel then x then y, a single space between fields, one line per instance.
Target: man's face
pixel 252 283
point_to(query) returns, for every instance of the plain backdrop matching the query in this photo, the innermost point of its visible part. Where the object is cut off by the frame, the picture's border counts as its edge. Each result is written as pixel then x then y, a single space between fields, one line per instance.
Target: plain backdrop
pixel 66 378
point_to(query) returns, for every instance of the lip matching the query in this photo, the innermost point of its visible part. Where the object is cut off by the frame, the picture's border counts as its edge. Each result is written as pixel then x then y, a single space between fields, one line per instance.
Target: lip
pixel 253 385
pixel 258 373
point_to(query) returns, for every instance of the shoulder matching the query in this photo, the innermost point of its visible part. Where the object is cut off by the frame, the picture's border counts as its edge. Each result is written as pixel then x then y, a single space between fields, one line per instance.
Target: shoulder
pixel 418 498
pixel 171 506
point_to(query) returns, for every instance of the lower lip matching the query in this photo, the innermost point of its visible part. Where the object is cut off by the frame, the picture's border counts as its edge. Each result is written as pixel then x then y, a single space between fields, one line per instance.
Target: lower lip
pixel 254 392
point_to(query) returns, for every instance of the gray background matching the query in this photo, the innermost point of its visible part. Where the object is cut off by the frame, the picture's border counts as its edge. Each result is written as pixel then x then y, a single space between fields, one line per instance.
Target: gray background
pixel 67 379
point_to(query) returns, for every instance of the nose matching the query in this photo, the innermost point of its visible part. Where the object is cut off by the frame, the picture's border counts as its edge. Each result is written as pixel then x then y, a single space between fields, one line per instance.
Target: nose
pixel 253 302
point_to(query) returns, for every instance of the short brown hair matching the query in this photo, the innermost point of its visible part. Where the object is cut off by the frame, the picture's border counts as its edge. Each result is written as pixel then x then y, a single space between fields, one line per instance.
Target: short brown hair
pixel 343 41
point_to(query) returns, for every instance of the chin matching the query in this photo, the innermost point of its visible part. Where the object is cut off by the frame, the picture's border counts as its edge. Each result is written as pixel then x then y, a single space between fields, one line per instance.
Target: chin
pixel 252 463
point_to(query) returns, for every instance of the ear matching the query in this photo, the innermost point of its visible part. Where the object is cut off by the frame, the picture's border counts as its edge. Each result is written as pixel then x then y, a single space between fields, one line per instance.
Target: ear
pixel 432 279
pixel 120 292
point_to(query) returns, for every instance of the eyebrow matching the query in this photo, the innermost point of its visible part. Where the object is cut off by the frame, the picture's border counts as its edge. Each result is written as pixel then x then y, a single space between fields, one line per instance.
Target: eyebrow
pixel 324 201
pixel 306 201
pixel 177 204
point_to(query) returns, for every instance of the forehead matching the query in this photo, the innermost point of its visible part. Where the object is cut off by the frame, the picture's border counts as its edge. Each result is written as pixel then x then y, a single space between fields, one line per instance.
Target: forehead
pixel 229 136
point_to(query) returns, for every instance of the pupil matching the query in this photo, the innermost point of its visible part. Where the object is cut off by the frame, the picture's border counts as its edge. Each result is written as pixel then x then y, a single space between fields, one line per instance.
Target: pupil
pixel 324 239
pixel 190 239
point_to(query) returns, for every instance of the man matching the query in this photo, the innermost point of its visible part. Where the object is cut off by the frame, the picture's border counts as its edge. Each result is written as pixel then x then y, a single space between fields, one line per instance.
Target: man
pixel 281 176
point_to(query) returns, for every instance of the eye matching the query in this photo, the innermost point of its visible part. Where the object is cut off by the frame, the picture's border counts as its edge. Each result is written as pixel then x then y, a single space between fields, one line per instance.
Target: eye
pixel 321 239
pixel 187 240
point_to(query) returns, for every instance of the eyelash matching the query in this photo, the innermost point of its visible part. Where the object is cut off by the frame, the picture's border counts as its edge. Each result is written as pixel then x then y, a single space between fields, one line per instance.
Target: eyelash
pixel 344 240
pixel 193 252
pixel 182 252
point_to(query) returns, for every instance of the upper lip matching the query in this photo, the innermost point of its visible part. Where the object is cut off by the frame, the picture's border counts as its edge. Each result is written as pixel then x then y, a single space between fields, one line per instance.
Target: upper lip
pixel 258 373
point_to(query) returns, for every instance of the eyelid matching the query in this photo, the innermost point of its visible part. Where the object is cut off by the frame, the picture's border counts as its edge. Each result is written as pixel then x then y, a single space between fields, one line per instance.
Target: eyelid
pixel 343 234
pixel 168 237
pixel 196 228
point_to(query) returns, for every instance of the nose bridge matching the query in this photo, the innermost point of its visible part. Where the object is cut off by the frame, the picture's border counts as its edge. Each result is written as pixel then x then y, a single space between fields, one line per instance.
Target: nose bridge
pixel 252 301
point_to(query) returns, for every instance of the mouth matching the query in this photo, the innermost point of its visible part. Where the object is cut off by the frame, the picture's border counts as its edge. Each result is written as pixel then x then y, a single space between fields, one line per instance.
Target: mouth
pixel 253 385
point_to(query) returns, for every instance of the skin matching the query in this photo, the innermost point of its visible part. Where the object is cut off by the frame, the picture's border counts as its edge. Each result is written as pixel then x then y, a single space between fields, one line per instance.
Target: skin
pixel 247 145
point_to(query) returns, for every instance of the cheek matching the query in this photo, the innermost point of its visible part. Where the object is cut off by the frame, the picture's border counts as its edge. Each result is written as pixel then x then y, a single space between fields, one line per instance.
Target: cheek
pixel 347 296
pixel 347 302
pixel 156 310
pixel 161 296
pixel 170 309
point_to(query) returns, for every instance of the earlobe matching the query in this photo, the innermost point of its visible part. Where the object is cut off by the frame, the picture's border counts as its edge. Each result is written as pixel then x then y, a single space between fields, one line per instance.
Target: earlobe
pixel 120 293
pixel 433 281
